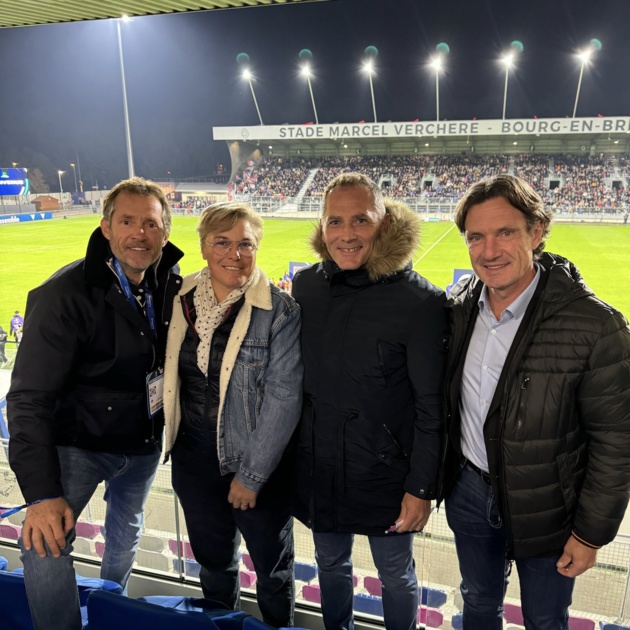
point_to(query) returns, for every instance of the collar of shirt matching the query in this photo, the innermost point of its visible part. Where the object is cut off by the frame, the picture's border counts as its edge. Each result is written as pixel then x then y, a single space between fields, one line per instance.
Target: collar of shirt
pixel 518 307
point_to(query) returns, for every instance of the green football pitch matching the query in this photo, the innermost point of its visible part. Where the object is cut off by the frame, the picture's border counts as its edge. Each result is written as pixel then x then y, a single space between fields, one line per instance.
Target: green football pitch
pixel 31 252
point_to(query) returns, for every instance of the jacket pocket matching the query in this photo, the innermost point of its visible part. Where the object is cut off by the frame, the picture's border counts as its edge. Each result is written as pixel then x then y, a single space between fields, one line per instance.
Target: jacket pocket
pixel 391 450
pixel 521 411
pixel 392 362
pixel 565 477
pixel 107 414
pixel 253 354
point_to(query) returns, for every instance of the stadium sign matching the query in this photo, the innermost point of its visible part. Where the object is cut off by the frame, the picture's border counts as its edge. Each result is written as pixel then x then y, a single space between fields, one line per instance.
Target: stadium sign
pixel 13 181
pixel 21 218
pixel 447 128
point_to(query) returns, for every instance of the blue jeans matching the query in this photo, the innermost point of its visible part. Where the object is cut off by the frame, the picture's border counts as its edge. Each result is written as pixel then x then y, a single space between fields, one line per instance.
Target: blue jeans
pixel 480 539
pixel 393 558
pixel 50 582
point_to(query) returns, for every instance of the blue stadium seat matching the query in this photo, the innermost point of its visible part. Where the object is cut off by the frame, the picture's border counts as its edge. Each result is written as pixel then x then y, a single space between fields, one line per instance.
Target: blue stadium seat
pixel 223 618
pixel 86 585
pixel 432 597
pixel 191 567
pixel 305 572
pixel 14 610
pixel 368 604
pixel 457 621
pixel 607 625
pixel 107 611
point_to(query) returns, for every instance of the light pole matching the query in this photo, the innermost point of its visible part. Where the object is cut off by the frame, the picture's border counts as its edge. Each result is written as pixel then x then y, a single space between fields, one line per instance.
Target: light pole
pixel 247 75
pixel 584 57
pixel 124 91
pixel 368 66
pixel 436 63
pixel 76 185
pixel 508 62
pixel 59 174
pixel 79 169
pixel 17 197
pixel 306 71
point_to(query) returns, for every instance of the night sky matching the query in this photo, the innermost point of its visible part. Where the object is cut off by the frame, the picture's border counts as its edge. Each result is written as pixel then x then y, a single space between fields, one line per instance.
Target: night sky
pixel 61 90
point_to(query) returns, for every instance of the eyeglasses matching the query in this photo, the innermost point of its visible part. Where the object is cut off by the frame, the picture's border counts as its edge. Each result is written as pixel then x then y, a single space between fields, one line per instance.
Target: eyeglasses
pixel 222 247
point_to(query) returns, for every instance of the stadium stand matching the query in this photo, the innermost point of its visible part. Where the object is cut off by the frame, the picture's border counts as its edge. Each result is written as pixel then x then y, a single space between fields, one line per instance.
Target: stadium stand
pixel 569 183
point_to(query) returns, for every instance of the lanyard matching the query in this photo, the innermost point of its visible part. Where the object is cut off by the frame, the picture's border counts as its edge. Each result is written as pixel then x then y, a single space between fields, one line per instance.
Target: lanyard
pixel 8 511
pixel 124 284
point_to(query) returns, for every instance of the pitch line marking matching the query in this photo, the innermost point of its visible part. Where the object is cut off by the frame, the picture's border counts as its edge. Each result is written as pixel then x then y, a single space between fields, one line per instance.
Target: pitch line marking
pixel 434 244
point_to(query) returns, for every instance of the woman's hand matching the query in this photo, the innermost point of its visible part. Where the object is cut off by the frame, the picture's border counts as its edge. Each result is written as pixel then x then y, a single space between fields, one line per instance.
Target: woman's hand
pixel 240 497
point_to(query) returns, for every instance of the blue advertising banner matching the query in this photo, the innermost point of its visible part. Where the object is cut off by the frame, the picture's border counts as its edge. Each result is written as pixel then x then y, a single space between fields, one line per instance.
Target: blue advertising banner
pixel 13 181
pixel 21 218
pixel 294 267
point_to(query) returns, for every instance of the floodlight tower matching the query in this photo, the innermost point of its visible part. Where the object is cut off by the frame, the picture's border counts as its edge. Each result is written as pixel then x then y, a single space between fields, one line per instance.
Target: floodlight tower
pixel 368 67
pixel 131 170
pixel 76 184
pixel 247 75
pixel 584 57
pixel 306 72
pixel 436 64
pixel 59 174
pixel 508 62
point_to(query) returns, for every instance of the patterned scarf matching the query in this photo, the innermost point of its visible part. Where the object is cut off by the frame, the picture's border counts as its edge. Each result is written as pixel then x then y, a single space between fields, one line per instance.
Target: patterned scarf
pixel 210 314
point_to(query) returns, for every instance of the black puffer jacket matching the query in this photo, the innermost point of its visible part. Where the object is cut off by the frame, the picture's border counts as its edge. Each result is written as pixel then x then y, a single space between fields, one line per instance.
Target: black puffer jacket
pixel 80 373
pixel 558 429
pixel 373 351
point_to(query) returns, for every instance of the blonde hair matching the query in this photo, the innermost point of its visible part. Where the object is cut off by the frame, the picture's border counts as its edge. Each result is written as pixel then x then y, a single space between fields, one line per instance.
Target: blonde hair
pixel 223 216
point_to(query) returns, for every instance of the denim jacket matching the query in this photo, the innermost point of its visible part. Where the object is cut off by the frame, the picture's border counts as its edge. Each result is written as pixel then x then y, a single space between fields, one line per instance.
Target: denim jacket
pixel 260 384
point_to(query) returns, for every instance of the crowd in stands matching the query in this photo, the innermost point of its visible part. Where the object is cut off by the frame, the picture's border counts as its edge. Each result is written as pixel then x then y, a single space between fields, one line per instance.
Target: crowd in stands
pixel 569 183
pixel 584 182
pixel 274 176
pixel 193 205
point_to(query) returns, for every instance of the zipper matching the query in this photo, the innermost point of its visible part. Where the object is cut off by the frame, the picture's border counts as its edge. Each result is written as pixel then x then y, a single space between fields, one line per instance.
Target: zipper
pixel 397 444
pixel 381 361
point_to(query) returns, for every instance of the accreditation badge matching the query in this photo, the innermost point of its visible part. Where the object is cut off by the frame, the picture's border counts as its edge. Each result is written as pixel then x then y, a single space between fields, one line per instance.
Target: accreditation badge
pixel 155 391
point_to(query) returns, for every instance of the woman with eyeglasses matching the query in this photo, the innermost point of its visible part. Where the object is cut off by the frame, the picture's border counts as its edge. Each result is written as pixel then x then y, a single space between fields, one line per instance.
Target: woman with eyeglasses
pixel 232 398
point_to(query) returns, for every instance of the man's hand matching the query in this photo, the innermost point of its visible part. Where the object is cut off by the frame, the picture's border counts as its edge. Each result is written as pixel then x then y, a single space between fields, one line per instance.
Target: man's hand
pixel 48 521
pixel 240 497
pixel 576 559
pixel 414 514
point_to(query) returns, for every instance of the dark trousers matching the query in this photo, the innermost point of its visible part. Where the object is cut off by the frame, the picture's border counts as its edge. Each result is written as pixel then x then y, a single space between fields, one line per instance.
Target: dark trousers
pixel 480 537
pixel 215 528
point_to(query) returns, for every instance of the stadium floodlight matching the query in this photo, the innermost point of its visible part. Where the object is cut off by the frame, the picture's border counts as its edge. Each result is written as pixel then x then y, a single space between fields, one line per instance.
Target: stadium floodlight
pixel 368 67
pixel 247 75
pixel 436 65
pixel 306 72
pixel 76 184
pixel 125 18
pixel 59 174
pixel 584 56
pixel 508 62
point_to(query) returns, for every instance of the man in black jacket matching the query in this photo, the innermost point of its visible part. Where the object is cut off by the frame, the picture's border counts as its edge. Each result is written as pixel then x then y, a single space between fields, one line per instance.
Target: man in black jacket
pixel 373 334
pixel 538 413
pixel 85 403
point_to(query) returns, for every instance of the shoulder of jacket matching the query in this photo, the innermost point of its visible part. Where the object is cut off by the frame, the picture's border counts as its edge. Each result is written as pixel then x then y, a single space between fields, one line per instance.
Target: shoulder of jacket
pixel 282 298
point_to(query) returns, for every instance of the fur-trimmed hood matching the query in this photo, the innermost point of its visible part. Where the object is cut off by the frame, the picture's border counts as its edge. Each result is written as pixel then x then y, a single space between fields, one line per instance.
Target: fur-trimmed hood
pixel 393 246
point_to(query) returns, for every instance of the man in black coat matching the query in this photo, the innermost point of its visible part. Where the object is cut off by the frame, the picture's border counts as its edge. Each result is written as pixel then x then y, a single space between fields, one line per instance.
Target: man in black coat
pixel 373 334
pixel 538 413
pixel 85 403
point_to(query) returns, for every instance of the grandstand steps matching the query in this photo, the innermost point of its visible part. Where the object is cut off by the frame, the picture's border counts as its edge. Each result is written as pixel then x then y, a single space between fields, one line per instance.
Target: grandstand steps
pixel 306 185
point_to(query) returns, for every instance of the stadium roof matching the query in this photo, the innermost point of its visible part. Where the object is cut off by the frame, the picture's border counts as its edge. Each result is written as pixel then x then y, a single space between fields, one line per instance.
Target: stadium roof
pixel 34 12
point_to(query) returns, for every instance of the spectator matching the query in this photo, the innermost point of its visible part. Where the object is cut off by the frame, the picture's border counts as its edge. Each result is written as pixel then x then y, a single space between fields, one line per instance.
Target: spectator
pixel 82 407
